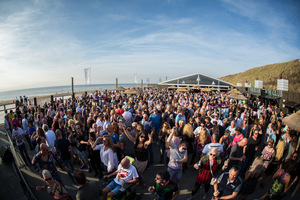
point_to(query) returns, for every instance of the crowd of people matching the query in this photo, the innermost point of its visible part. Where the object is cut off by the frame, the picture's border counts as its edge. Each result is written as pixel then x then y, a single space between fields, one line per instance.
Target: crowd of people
pixel 233 144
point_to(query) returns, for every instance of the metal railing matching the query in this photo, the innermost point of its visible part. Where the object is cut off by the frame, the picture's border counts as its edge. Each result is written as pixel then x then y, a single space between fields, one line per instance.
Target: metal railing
pixel 17 164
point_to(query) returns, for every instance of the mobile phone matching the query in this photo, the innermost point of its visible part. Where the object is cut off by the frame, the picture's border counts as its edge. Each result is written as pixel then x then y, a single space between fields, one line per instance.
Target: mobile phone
pixel 122 189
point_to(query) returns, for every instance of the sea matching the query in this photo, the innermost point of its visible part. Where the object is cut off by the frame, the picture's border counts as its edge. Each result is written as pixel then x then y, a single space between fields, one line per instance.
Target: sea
pixel 35 92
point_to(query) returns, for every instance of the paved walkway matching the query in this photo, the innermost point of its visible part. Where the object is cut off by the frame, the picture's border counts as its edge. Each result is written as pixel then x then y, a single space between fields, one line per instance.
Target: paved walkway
pixel 11 188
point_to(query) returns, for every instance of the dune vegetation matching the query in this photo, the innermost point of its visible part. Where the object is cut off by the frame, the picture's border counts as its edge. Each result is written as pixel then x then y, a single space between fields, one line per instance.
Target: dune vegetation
pixel 269 75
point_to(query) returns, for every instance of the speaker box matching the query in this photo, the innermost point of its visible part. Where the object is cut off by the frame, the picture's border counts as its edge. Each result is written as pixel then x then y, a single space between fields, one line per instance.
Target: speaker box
pixel 5 153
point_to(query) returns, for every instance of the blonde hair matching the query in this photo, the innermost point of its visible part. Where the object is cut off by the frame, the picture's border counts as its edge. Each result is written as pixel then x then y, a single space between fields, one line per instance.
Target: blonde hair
pixel 188 130
pixel 181 122
pixel 110 143
pixel 168 126
pixel 215 150
pixel 203 136
pixel 257 167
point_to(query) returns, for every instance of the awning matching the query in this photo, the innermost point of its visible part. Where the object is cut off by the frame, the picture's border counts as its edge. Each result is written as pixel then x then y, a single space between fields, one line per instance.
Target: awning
pixel 291 104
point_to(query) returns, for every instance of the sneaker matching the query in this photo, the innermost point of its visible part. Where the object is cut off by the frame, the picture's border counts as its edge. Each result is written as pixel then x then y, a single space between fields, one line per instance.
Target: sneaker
pixel 204 196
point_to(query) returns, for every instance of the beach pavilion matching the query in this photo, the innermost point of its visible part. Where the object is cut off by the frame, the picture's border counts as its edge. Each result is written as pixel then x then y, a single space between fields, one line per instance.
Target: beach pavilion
pixel 199 80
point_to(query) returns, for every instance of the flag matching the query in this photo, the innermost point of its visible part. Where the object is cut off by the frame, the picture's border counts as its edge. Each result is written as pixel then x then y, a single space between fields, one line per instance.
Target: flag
pixel 87 73
pixel 135 79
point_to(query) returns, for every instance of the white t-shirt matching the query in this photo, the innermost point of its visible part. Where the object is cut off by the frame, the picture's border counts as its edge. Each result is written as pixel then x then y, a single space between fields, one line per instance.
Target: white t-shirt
pixel 18 135
pixel 100 123
pixel 177 155
pixel 209 146
pixel 108 158
pixel 50 136
pixel 125 174
pixel 128 118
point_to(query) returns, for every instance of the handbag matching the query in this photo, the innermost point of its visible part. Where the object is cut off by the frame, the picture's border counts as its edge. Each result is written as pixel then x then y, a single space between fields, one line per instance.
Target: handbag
pixel 214 178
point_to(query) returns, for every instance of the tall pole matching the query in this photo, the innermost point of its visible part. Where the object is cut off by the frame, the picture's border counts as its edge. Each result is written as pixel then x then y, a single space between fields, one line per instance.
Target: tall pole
pixel 142 83
pixel 116 82
pixel 73 95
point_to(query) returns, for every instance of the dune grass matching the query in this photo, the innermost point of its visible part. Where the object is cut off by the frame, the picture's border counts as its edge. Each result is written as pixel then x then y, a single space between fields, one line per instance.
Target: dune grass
pixel 269 75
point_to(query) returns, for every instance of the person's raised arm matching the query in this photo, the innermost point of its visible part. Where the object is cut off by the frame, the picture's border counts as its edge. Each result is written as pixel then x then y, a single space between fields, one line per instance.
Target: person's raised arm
pixel 170 137
pixel 93 145
pixel 132 139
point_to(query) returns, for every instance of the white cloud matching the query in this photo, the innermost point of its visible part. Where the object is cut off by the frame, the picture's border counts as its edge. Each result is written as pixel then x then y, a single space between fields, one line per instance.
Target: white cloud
pixel 40 49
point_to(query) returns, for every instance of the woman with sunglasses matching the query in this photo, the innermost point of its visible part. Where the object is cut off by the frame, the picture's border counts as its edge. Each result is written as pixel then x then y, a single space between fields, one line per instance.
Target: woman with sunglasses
pixel 54 188
pixel 268 155
pixel 141 143
pixel 208 167
pixel 107 155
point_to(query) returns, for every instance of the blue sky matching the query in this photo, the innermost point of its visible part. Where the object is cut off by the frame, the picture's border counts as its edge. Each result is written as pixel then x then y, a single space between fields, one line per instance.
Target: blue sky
pixel 44 43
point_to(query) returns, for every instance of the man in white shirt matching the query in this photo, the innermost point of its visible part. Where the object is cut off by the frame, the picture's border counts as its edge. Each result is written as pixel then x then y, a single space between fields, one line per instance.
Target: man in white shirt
pixel 216 118
pixel 214 144
pixel 50 137
pixel 199 129
pixel 127 116
pixel 18 136
pixel 126 174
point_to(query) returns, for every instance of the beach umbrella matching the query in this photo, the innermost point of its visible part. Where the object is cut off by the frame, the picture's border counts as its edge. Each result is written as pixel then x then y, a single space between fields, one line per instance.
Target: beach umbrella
pixel 182 90
pixel 233 91
pixel 237 95
pixel 205 90
pixel 213 89
pixel 131 91
pixel 293 121
pixel 119 89
pixel 196 86
pixel 172 87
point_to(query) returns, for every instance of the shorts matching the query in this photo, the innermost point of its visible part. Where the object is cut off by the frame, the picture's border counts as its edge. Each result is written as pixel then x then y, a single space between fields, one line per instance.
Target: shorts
pixel 177 174
pixel 114 187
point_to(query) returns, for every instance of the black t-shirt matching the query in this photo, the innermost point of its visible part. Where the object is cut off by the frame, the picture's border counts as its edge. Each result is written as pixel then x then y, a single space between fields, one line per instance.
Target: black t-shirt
pixel 62 147
pixel 236 152
pixel 137 118
pixel 80 147
pixel 166 191
pixel 251 145
pixel 167 118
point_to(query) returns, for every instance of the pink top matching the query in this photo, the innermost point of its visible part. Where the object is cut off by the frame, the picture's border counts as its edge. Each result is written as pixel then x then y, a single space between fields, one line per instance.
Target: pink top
pixel 236 140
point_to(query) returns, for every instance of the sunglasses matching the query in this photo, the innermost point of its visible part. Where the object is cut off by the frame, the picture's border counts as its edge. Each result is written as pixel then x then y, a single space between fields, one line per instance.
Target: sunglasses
pixel 213 155
pixel 48 179
pixel 142 136
pixel 183 148
pixel 159 179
